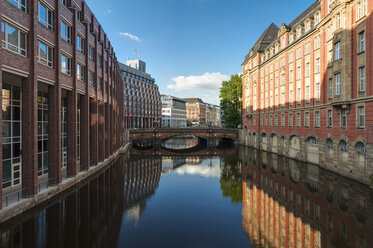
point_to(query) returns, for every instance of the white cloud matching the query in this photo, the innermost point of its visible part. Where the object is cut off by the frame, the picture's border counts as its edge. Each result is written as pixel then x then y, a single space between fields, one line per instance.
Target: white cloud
pixel 204 171
pixel 108 11
pixel 131 36
pixel 207 81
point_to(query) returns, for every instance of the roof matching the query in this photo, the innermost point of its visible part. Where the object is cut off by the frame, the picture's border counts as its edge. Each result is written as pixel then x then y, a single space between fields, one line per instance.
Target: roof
pixel 128 69
pixel 304 14
pixel 264 40
pixel 270 34
pixel 193 100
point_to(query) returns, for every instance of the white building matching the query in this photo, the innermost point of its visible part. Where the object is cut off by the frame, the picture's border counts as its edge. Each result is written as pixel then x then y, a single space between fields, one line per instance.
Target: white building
pixel 173 111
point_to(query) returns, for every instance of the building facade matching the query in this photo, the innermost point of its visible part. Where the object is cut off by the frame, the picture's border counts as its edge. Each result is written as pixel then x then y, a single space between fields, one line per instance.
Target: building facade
pixel 62 93
pixel 203 114
pixel 306 90
pixel 142 102
pixel 173 111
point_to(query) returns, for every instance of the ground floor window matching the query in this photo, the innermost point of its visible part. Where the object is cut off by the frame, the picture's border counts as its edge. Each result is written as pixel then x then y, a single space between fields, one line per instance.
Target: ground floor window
pixel 43 156
pixel 11 139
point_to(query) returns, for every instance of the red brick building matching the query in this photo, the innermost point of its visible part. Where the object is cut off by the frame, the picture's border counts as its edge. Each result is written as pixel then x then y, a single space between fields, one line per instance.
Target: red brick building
pixel 307 91
pixel 62 93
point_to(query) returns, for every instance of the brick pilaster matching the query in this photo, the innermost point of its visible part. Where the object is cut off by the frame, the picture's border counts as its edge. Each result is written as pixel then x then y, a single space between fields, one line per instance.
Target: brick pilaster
pixel 1 150
pixel 72 168
pixel 93 131
pixel 84 133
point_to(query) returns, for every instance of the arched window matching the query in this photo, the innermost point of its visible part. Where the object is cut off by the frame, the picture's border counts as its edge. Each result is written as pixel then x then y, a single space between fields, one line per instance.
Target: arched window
pixel 342 146
pixel 329 143
pixel 360 148
pixel 311 141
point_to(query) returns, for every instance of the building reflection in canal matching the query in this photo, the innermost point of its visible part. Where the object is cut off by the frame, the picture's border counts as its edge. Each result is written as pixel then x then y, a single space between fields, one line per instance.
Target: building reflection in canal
pixel 91 214
pixel 292 204
pixel 178 143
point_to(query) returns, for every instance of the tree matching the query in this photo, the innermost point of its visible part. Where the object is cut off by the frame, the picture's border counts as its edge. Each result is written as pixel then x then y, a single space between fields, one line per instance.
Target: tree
pixel 231 101
pixel 231 180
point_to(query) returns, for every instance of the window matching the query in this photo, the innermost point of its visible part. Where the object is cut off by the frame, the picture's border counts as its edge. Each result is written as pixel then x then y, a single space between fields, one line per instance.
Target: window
pixel 80 72
pixel 13 39
pixel 291 195
pixel 80 43
pixel 338 21
pixel 362 79
pixel 299 73
pixel 330 118
pixel 45 54
pixel 283 120
pixel 330 88
pixel 105 65
pixel 65 64
pixel 299 199
pixel 290 120
pixel 291 76
pixel 361 9
pixel 362 41
pixel 298 119
pixel 291 97
pixel 330 222
pixel 361 117
pixel 283 80
pixel 91 77
pixel 21 4
pixel 343 118
pixel 299 95
pixel 308 93
pixel 337 84
pixel 283 99
pixel 276 120
pixel 91 51
pixel 308 69
pixel 307 206
pixel 79 15
pixel 337 51
pixel 65 32
pixel 64 2
pixel 317 119
pixel 99 60
pixel 317 211
pixel 318 92
pixel 307 119
pixel 317 19
pixel 45 16
pixel 317 65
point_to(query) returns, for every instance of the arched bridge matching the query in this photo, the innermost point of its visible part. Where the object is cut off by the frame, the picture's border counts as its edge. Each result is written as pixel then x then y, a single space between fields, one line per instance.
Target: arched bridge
pixel 208 134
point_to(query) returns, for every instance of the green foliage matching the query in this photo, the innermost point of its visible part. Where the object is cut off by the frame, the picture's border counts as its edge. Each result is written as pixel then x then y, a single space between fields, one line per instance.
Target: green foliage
pixel 231 180
pixel 231 101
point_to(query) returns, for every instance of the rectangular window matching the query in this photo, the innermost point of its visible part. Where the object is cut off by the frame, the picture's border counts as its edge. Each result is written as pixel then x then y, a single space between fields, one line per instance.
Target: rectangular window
pixel 290 120
pixel 99 60
pixel 105 65
pixel 343 118
pixel 362 79
pixel 361 117
pixel 331 88
pixel 330 118
pixel 317 119
pixel 276 120
pixel 283 99
pixel 308 94
pixel 21 4
pixel 299 95
pixel 298 120
pixel 317 65
pixel 298 200
pixel 291 97
pixel 362 41
pixel 299 73
pixel 45 54
pixel 65 32
pixel 317 211
pixel 308 69
pixel 337 51
pixel 13 39
pixel 283 120
pixel 80 72
pixel 291 76
pixel 65 64
pixel 283 79
pixel 80 43
pixel 337 84
pixel 64 2
pixel 91 77
pixel 45 16
pixel 307 119
pixel 91 52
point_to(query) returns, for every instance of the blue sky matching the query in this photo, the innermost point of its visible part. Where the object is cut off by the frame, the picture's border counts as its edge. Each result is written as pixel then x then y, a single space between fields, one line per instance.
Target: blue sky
pixel 190 46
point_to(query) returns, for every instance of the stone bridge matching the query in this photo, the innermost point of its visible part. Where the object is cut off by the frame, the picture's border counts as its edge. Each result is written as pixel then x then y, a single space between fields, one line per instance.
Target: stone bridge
pixel 211 135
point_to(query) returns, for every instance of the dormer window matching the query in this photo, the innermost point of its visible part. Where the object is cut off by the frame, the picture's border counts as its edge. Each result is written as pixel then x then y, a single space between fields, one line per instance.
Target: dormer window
pixel 299 32
pixel 308 25
pixel 283 42
pixel 317 18
pixel 291 37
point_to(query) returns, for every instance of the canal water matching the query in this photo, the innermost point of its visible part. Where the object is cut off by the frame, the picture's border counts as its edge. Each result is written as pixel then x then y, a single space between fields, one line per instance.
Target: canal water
pixel 232 197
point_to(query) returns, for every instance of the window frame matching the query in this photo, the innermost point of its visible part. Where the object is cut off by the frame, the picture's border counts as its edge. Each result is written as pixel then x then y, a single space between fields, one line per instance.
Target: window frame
pixel 362 79
pixel 337 51
pixel 5 43
pixel 22 7
pixel 68 29
pixel 48 23
pixel 80 76
pixel 362 41
pixel 360 117
pixel 338 84
pixel 80 45
pixel 50 52
pixel 67 70
pixel 329 118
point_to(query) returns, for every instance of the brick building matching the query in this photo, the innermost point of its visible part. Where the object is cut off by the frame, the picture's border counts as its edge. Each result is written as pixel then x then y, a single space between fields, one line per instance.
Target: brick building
pixel 306 90
pixel 287 203
pixel 142 102
pixel 62 93
pixel 203 114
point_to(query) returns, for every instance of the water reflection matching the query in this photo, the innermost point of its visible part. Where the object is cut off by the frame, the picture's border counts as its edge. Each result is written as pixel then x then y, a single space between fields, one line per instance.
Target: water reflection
pixel 91 214
pixel 291 204
pixel 178 143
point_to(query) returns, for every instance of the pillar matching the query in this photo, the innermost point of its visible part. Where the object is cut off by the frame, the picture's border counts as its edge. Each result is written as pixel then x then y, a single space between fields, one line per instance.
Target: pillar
pixel 54 134
pixel 72 168
pixel 107 118
pixel 29 130
pixel 1 134
pixel 93 131
pixel 84 133
pixel 101 132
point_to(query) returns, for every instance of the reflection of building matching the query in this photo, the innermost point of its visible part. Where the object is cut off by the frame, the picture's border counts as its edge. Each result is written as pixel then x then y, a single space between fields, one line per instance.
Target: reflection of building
pixel 61 94
pixel 308 82
pixel 289 204
pixel 142 104
pixel 169 164
pixel 173 111
pixel 203 114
